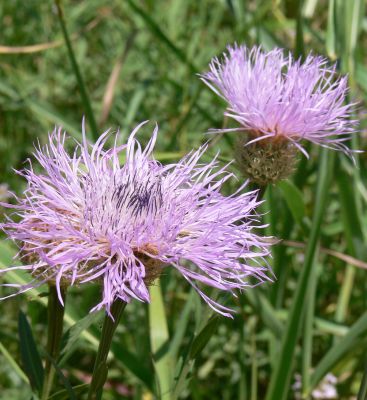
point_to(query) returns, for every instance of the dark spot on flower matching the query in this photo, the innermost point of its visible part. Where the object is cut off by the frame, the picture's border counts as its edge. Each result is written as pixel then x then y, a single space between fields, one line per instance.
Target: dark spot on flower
pixel 139 195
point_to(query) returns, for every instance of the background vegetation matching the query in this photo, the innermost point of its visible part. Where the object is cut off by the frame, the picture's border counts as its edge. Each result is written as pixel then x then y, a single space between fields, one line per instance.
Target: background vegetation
pixel 138 60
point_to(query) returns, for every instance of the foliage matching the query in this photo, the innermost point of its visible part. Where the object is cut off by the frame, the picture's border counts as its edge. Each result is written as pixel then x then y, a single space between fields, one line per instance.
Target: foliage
pixel 138 61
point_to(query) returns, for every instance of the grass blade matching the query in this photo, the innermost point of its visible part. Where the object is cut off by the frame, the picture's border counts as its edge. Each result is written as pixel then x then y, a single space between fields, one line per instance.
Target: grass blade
pixel 308 330
pixel 13 363
pixel 265 310
pixel 352 220
pixel 62 378
pixel 330 43
pixel 203 337
pixel 181 326
pixel 281 377
pixel 64 394
pixel 197 345
pixel 154 27
pixel 351 341
pixel 29 354
pixel 48 114
pixel 159 338
pixel 73 335
pixel 300 45
pixel 133 364
pixel 362 393
pixel 294 199
pixel 78 75
pixel 125 358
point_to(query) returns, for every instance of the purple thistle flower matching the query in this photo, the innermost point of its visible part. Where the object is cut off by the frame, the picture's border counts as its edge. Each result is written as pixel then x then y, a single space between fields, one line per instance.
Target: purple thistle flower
pixel 273 96
pixel 87 218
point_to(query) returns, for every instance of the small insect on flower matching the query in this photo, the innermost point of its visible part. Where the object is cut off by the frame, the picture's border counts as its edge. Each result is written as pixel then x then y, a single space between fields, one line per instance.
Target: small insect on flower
pixel 278 102
pixel 89 218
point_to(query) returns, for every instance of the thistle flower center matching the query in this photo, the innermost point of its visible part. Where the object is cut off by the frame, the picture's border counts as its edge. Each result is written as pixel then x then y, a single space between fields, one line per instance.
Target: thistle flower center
pixel 138 196
pixel 123 202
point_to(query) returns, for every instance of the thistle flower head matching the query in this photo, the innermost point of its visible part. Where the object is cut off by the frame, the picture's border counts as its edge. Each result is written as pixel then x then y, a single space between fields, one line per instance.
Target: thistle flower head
pixel 275 97
pixel 119 217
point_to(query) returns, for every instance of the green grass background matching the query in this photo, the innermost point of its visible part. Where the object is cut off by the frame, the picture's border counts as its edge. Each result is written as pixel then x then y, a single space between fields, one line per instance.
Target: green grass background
pixel 139 60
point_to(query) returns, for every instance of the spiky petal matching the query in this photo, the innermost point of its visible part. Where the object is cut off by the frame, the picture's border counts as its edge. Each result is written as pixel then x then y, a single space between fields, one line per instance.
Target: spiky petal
pixel 272 95
pixel 89 218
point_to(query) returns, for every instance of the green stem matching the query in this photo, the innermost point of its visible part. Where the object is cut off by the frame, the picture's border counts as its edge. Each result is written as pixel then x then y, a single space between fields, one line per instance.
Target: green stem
pixel 308 332
pixel 100 366
pixel 352 218
pixel 81 84
pixel 362 393
pixel 345 294
pixel 281 263
pixel 300 46
pixel 261 190
pixel 159 337
pixel 55 311
pixel 242 387
pixel 254 364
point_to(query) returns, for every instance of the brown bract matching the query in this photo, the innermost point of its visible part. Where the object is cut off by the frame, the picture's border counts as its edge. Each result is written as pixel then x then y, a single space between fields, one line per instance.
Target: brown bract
pixel 265 161
pixel 153 267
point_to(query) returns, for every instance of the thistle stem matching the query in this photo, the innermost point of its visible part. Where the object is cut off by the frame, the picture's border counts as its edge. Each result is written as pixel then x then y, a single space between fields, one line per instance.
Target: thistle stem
pixel 55 313
pixel 100 367
pixel 261 192
pixel 261 189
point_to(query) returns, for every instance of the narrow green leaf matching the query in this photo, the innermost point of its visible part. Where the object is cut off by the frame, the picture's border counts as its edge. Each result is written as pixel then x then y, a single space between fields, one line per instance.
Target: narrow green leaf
pixel 294 200
pixel 181 326
pixel 78 75
pixel 47 113
pixel 102 372
pixel 205 326
pixel 66 383
pixel 281 377
pixel 352 15
pixel 21 278
pixel 300 46
pixel 126 359
pixel 309 7
pixel 203 337
pixel 323 326
pixel 159 339
pixel 307 343
pixel 182 379
pixel 133 364
pixel 29 354
pixel 351 214
pixel 352 227
pixel 64 394
pixel 9 91
pixel 254 362
pixel 351 341
pixel 73 335
pixel 330 32
pixel 362 393
pixel 361 76
pixel 13 363
pixel 198 344
pixel 157 31
pixel 134 105
pixel 265 310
